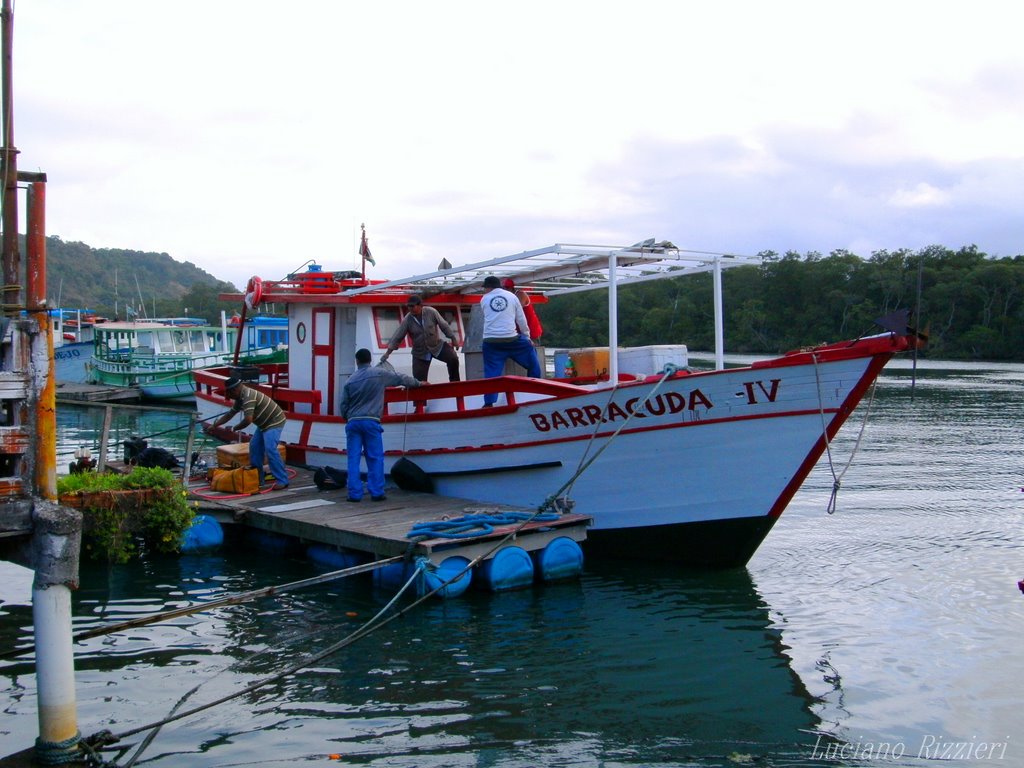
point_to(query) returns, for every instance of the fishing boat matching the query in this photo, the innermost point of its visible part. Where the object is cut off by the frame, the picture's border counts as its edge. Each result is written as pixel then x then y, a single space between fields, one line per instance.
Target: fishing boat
pixel 160 356
pixel 672 463
pixel 73 340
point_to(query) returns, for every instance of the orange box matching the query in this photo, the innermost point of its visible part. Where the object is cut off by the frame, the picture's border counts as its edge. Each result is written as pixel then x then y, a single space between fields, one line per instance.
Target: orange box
pixel 591 362
pixel 237 455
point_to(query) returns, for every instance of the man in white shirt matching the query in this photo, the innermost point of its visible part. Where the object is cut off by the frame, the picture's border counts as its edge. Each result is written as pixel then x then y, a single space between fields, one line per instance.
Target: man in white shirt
pixel 506 334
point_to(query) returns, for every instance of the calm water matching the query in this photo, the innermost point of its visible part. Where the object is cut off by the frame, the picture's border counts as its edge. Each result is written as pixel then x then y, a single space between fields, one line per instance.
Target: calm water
pixel 896 620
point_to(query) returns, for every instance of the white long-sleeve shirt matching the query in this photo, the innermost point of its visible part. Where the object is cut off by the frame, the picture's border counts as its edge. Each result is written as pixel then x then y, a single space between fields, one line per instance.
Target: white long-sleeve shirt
pixel 503 315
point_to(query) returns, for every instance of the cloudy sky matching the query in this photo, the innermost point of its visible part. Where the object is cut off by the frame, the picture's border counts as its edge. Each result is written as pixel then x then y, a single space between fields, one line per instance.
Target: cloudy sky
pixel 248 136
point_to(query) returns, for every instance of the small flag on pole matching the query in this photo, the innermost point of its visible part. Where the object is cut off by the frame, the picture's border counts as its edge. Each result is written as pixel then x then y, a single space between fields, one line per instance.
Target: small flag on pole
pixel 364 249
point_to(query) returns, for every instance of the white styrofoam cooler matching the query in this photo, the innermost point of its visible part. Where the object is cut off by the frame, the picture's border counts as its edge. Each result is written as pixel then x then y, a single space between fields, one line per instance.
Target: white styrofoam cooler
pixel 652 359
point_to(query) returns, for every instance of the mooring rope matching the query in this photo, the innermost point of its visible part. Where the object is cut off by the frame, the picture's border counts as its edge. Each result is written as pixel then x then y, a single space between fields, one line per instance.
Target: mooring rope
pixel 183 426
pixel 363 631
pixel 551 501
pixel 472 525
pixel 242 597
pixel 833 499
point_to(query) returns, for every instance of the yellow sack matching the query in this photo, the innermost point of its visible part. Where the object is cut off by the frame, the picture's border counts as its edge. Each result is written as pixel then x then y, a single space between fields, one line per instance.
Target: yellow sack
pixel 240 480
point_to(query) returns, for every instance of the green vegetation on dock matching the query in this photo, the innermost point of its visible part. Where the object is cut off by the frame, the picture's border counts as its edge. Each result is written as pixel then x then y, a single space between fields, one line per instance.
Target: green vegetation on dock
pixel 147 504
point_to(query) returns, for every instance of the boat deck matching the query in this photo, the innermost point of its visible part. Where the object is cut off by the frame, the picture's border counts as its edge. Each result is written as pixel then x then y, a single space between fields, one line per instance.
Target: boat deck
pixel 379 528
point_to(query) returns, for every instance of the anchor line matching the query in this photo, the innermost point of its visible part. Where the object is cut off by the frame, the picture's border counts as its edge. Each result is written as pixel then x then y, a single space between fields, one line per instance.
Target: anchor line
pixel 364 631
pixel 830 508
pixel 242 597
pixel 551 501
pixel 183 426
pixel 155 729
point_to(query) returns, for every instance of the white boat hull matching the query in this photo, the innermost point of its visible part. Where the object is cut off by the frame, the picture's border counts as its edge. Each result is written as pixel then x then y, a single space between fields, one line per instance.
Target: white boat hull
pixel 698 474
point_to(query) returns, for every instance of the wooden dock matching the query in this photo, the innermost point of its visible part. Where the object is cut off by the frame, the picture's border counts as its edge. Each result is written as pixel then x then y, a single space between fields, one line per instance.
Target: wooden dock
pixel 95 393
pixel 379 528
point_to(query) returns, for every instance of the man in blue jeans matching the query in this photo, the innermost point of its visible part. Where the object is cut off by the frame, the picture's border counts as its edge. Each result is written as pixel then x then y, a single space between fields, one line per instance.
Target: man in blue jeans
pixel 256 408
pixel 506 334
pixel 362 405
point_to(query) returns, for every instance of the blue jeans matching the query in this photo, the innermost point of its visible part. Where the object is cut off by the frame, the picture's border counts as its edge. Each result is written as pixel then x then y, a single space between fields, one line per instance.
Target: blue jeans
pixel 365 437
pixel 495 355
pixel 264 444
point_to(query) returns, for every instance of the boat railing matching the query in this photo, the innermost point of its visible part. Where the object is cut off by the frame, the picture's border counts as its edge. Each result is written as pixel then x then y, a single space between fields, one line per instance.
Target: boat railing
pixel 443 398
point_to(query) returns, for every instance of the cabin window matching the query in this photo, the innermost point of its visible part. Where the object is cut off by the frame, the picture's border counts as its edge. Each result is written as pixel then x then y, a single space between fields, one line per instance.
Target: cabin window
pixel 453 317
pixel 387 320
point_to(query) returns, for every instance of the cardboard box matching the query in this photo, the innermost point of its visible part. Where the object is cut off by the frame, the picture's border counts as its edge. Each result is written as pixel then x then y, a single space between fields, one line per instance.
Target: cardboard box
pixel 591 362
pixel 237 455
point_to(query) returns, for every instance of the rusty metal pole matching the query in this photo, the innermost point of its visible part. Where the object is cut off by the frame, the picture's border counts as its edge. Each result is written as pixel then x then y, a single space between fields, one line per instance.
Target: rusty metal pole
pixel 9 163
pixel 41 354
pixel 56 532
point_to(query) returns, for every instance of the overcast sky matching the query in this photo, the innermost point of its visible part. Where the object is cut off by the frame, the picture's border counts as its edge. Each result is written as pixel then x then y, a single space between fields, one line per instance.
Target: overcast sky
pixel 249 136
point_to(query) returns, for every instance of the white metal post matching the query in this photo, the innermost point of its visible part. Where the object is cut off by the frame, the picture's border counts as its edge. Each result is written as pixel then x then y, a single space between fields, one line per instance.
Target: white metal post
pixel 613 321
pixel 55 669
pixel 719 327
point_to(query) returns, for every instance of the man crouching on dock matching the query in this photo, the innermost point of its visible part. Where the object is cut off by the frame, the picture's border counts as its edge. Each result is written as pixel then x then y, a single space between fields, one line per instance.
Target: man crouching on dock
pixel 256 408
pixel 362 405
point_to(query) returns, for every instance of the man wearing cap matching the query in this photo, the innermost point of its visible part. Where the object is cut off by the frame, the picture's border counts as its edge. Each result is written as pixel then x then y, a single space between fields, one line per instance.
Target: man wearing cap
pixel 424 325
pixel 362 405
pixel 506 334
pixel 256 408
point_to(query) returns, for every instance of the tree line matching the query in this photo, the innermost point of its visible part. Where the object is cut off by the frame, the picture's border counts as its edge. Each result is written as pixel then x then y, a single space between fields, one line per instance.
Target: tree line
pixel 971 305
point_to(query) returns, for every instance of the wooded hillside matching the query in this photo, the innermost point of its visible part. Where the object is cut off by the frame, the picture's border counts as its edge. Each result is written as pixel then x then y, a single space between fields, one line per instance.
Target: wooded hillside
pixel 971 304
pixel 113 281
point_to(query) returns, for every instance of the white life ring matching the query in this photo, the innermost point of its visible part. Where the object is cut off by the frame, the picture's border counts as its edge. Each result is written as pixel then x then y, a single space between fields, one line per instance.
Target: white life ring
pixel 253 293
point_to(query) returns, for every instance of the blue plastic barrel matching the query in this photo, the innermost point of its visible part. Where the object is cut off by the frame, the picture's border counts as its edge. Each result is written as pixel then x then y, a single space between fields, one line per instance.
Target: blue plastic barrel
pixel 392 576
pixel 334 558
pixel 204 535
pixel 448 569
pixel 274 543
pixel 561 361
pixel 510 568
pixel 561 559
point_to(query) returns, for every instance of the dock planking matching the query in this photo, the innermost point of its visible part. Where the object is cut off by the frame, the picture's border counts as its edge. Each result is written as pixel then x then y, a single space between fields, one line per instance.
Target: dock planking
pixel 379 528
pixel 73 392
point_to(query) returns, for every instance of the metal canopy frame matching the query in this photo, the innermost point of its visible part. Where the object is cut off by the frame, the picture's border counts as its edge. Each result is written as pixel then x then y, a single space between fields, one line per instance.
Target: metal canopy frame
pixel 565 268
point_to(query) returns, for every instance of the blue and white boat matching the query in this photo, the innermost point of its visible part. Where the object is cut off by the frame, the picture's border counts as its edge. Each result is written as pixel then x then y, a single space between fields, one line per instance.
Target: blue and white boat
pixel 73 334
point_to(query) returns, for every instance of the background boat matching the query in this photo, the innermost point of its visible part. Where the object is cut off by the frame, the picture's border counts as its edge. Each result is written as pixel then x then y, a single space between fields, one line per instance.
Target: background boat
pixel 73 340
pixel 159 357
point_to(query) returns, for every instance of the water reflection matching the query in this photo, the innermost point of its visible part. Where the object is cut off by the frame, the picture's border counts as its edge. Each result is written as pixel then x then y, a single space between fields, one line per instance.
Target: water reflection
pixel 631 665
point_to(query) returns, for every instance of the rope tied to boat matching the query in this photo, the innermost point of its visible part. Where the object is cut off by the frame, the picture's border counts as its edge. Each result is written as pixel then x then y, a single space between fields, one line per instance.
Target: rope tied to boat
pixel 837 479
pixel 556 500
pixel 474 524
pixel 59 752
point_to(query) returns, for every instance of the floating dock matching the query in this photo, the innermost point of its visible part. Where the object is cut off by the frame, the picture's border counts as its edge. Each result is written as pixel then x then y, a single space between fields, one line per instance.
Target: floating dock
pixel 95 393
pixel 379 528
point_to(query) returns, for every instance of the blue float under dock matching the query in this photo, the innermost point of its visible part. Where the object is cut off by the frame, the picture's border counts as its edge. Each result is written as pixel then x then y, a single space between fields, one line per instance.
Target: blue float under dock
pixel 338 534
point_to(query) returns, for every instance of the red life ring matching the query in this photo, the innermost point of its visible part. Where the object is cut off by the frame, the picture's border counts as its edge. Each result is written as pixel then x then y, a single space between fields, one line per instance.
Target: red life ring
pixel 253 292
